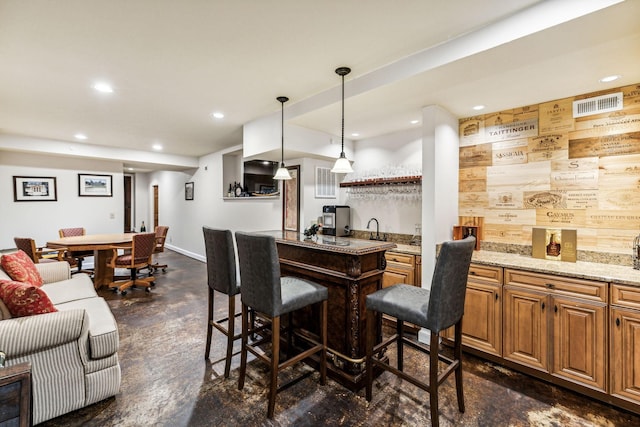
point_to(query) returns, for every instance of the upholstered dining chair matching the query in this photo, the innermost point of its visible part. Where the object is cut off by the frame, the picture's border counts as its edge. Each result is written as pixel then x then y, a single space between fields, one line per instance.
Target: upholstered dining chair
pixel 76 258
pixel 38 255
pixel 221 277
pixel 435 309
pixel 161 236
pixel 273 296
pixel 138 257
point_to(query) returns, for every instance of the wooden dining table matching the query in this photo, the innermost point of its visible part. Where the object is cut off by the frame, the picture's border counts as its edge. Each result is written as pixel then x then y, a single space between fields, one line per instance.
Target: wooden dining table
pixel 101 245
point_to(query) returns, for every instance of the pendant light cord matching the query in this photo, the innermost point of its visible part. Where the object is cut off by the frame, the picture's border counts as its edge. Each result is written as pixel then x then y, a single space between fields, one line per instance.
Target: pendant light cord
pixel 342 115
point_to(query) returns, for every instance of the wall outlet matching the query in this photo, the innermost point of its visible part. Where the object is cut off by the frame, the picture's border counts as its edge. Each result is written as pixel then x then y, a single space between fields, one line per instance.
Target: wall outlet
pixel 112 215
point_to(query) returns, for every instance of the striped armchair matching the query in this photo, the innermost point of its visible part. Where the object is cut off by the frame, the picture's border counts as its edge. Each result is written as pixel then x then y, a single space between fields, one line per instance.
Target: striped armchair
pixel 73 352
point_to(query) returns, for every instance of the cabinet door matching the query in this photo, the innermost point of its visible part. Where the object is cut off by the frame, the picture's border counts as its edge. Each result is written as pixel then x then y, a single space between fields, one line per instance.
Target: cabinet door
pixel 625 354
pixel 580 342
pixel 525 328
pixel 397 273
pixel 482 321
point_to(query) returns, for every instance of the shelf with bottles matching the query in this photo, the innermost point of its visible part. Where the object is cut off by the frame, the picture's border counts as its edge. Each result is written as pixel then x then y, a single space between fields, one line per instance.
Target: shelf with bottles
pixel 396 180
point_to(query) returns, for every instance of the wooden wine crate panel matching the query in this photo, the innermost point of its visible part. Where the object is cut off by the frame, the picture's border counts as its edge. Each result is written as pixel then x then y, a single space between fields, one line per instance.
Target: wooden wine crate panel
pixel 544 199
pixel 548 147
pixel 511 130
pixel 613 240
pixel 556 116
pixel 513 234
pixel 621 121
pixel 478 185
pixel 498 118
pixel 478 211
pixel 526 177
pixel 619 170
pixel 471 200
pixel 475 155
pixel 525 113
pixel 505 200
pixel 510 152
pixel 561 218
pixel 619 200
pixel 621 220
pixel 576 174
pixel 581 199
pixel 631 96
pixel 476 221
pixel 587 239
pixel 471 131
pixel 603 146
pixel 473 173
pixel 510 216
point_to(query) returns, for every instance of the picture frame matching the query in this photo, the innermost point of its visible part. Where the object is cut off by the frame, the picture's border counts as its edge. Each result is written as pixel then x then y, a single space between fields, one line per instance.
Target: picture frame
pixel 91 185
pixel 35 189
pixel 188 190
pixel 291 200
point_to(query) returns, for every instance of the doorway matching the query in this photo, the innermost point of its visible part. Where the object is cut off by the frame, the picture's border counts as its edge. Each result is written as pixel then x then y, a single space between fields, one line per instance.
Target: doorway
pixel 155 206
pixel 128 203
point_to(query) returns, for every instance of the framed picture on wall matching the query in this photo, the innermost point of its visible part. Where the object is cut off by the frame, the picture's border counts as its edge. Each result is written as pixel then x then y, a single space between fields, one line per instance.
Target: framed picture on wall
pixel 34 189
pixel 95 185
pixel 188 191
pixel 291 200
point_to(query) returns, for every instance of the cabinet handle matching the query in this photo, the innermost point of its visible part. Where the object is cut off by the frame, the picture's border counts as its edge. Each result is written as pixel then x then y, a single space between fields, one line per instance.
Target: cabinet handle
pixel 617 321
pixel 496 297
pixel 550 285
pixel 543 306
pixel 472 273
pixel 555 308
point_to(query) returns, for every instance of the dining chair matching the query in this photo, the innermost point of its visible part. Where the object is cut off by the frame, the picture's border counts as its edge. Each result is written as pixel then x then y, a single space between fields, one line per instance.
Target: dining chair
pixel 434 309
pixel 76 258
pixel 138 257
pixel 222 276
pixel 273 296
pixel 38 255
pixel 161 235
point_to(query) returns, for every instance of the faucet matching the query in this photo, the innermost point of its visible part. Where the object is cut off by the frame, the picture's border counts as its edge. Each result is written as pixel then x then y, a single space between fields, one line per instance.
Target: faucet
pixel 377 229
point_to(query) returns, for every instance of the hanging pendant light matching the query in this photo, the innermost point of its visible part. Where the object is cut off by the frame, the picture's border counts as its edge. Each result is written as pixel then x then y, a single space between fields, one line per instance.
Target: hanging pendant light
pixel 282 173
pixel 342 165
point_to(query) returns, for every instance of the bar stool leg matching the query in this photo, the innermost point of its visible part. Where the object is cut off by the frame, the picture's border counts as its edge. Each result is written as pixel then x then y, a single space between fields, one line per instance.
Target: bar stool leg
pixel 230 335
pixel 275 357
pixel 433 378
pixel 209 325
pixel 243 351
pixel 323 353
pixel 399 344
pixel 457 352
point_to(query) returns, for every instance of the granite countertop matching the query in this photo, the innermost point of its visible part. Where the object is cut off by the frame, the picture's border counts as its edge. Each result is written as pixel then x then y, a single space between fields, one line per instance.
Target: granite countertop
pixel 321 242
pixel 407 249
pixel 625 275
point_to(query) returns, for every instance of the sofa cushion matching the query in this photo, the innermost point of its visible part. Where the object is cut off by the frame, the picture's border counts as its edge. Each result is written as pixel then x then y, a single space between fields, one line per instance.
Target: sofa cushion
pixel 21 268
pixel 78 287
pixel 103 330
pixel 3 275
pixel 23 299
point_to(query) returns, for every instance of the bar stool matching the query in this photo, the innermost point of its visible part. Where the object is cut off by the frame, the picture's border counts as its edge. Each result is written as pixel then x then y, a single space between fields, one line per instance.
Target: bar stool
pixel 435 309
pixel 221 277
pixel 266 292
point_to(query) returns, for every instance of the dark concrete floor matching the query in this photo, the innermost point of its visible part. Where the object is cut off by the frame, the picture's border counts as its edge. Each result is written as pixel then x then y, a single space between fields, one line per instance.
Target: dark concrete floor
pixel 167 382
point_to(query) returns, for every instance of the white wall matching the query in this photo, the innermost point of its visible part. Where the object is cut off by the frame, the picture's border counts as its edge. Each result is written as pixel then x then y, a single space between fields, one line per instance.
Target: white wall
pixel 394 215
pixel 42 220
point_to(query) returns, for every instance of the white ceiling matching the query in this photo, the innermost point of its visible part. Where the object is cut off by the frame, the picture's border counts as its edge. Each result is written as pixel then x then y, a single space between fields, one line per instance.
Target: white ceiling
pixel 172 63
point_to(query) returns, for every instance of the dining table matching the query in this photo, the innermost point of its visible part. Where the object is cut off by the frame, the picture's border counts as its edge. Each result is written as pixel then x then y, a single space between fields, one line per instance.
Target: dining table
pixel 102 246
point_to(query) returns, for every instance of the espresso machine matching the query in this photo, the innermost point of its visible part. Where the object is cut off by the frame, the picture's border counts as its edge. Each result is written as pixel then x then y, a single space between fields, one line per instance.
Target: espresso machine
pixel 336 220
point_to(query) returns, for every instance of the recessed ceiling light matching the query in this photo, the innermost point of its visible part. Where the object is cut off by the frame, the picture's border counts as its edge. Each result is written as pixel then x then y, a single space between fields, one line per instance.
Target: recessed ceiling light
pixel 479 107
pixel 129 169
pixel 157 147
pixel 80 136
pixel 414 122
pixel 608 79
pixel 217 115
pixel 103 87
pixel 355 134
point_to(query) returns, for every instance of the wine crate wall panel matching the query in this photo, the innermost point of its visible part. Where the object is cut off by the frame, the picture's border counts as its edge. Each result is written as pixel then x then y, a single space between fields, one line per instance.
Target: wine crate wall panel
pixel 538 166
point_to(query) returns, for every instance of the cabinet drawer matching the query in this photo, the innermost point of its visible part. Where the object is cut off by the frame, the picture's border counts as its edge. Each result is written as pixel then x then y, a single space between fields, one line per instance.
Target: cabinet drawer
pixel 625 296
pixel 558 285
pixel 400 258
pixel 485 274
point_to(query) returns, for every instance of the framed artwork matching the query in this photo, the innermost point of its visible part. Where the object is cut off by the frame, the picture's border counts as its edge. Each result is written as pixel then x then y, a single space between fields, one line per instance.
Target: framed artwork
pixel 188 191
pixel 34 189
pixel 291 200
pixel 95 185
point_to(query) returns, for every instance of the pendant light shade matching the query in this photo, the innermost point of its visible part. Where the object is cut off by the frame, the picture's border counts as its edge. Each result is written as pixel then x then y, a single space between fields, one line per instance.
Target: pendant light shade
pixel 342 165
pixel 282 173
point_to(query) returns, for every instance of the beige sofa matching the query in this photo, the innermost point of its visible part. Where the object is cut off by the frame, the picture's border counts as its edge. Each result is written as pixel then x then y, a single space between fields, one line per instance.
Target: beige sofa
pixel 73 352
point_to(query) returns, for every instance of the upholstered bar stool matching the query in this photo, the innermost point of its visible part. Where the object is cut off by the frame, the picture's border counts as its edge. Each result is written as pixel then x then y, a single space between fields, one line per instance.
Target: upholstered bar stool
pixel 266 292
pixel 221 277
pixel 435 309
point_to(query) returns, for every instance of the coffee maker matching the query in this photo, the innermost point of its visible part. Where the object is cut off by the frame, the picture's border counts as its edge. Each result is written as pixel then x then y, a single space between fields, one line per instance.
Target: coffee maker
pixel 336 220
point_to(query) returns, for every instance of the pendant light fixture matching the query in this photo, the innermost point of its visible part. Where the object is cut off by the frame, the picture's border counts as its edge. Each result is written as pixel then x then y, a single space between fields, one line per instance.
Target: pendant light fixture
pixel 342 165
pixel 282 173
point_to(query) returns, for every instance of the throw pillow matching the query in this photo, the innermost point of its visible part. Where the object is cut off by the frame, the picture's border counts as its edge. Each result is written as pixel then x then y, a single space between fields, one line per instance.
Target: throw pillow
pixel 21 268
pixel 23 299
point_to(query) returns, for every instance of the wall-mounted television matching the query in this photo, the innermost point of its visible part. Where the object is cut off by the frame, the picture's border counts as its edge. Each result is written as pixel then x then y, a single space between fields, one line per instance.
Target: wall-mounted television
pixel 258 176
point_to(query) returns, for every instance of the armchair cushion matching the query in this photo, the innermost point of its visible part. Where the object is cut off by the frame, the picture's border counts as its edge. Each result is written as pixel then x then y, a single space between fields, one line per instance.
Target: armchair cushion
pixel 21 268
pixel 25 300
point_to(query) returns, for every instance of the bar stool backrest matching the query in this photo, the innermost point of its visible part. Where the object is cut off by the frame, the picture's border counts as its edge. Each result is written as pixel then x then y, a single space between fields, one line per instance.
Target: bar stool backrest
pixel 221 261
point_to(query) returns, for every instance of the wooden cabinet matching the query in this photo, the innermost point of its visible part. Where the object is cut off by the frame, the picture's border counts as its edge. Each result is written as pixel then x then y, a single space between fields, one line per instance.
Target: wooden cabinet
pixel 557 325
pixel 401 268
pixel 625 343
pixel 482 321
pixel 15 395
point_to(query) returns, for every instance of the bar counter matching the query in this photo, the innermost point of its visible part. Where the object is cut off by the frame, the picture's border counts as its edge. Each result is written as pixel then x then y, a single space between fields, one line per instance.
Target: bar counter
pixel 351 269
